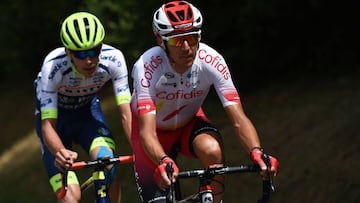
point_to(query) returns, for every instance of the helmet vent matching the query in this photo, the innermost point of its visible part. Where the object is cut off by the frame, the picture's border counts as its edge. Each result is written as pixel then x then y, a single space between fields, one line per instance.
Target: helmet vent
pixel 198 20
pixel 190 14
pixel 71 37
pixel 169 5
pixel 162 26
pixel 96 31
pixel 87 30
pixel 77 30
pixel 181 15
pixel 172 17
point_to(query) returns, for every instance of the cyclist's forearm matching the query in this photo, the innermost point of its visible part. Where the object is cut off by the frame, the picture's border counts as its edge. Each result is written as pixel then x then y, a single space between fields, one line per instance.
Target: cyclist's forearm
pixel 126 119
pixel 243 127
pixel 51 138
pixel 149 139
pixel 248 137
pixel 247 134
pixel 152 147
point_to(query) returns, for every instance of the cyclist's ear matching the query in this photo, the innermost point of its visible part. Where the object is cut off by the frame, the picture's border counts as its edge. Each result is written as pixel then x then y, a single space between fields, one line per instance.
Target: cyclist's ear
pixel 67 51
pixel 159 41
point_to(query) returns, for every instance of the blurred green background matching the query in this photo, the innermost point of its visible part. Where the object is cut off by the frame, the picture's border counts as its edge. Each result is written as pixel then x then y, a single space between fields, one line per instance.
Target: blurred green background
pixel 295 64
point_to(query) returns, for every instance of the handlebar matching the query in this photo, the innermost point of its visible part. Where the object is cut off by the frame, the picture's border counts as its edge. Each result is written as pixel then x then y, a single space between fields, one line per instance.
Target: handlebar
pixel 208 173
pixel 101 162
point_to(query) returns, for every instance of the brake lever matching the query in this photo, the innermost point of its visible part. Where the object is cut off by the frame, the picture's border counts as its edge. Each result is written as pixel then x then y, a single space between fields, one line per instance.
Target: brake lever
pixel 169 193
pixel 266 159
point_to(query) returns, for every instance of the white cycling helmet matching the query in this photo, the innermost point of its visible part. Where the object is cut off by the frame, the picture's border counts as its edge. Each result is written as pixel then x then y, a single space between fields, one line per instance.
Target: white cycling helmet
pixel 176 17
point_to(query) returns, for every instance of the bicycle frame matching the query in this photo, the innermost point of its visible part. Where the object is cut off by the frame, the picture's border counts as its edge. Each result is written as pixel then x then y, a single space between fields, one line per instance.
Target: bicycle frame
pixel 205 176
pixel 98 176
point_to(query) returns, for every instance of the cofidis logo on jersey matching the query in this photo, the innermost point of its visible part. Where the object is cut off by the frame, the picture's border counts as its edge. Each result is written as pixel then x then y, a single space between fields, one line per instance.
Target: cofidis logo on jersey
pixel 216 62
pixel 179 94
pixel 150 67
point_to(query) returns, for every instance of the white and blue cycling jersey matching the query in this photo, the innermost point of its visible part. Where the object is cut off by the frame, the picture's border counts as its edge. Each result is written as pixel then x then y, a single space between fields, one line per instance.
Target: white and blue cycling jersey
pixel 58 86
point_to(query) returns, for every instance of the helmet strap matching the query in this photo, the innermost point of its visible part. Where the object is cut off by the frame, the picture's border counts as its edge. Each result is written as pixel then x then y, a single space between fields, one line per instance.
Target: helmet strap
pixel 166 48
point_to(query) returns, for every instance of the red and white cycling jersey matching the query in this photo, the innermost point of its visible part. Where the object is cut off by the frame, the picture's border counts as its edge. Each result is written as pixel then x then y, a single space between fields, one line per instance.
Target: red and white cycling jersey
pixel 58 85
pixel 175 98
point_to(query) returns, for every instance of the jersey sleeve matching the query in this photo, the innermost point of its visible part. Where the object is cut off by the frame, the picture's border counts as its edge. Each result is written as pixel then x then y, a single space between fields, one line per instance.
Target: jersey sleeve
pixel 48 96
pixel 120 78
pixel 221 76
pixel 144 78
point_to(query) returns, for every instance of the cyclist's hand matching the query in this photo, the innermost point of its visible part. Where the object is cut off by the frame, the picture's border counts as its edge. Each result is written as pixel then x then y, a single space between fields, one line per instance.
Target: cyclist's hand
pixel 256 157
pixel 160 175
pixel 64 158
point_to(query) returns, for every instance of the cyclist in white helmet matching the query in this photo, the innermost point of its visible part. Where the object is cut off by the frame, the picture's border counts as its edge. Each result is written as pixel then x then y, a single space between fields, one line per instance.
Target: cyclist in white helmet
pixel 67 107
pixel 171 82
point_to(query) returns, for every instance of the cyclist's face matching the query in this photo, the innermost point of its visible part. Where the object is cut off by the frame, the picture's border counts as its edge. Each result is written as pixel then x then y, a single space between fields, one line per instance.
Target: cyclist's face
pixel 86 62
pixel 182 51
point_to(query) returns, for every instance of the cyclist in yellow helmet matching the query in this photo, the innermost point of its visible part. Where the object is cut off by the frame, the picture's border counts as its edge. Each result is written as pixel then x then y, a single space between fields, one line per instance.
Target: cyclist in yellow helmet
pixel 68 109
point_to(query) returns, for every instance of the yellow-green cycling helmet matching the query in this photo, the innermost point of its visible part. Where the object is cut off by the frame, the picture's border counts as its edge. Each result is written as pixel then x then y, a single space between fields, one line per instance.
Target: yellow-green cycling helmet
pixel 81 31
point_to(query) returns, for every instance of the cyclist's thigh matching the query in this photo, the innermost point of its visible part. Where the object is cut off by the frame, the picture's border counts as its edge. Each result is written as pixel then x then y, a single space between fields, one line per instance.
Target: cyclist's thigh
pixel 96 139
pixel 96 134
pixel 199 125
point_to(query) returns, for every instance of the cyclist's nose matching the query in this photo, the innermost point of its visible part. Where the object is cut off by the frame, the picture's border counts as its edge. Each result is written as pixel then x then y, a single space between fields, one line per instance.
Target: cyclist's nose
pixel 89 60
pixel 185 45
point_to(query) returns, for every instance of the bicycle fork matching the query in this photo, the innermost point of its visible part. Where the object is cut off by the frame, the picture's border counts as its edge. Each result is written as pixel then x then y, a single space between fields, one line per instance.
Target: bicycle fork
pixel 205 191
pixel 101 189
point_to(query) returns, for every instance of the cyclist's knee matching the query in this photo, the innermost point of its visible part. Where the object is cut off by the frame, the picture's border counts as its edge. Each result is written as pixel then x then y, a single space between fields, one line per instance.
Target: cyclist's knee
pixel 208 149
pixel 56 180
pixel 110 171
pixel 103 147
pixel 73 195
pixel 213 150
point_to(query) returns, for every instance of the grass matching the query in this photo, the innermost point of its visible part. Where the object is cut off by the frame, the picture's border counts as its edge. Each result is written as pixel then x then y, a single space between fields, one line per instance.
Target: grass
pixel 309 124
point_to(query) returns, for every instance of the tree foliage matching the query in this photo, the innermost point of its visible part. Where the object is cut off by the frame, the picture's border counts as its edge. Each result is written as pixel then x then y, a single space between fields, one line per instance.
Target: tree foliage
pixel 256 37
pixel 29 31
pixel 127 23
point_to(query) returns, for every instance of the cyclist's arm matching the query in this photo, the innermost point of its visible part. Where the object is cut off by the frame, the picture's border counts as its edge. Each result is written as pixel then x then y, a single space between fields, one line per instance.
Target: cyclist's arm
pixel 51 138
pixel 119 74
pixel 229 97
pixel 125 112
pixel 63 157
pixel 244 128
pixel 155 151
pixel 246 133
pixel 149 139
